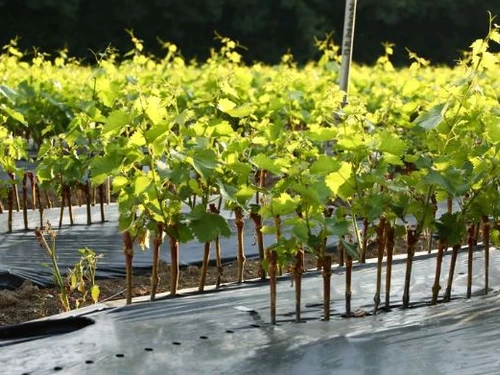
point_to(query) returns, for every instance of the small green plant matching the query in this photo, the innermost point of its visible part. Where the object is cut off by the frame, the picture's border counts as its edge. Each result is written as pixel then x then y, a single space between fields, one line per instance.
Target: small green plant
pixel 47 238
pixel 75 288
pixel 81 279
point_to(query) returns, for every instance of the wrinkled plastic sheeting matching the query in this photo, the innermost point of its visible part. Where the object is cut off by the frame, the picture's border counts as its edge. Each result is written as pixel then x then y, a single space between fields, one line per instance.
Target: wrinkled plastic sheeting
pixel 22 258
pixel 228 332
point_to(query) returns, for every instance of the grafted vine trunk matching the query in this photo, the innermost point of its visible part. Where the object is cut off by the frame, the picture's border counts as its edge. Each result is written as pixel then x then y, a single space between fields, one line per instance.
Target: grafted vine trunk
pixel 63 200
pixel 87 188
pixel 411 244
pixel 277 227
pixel 174 265
pixel 327 277
pixel 15 192
pixel 486 243
pixel 39 203
pixel 204 266
pixel 453 262
pixel 388 272
pixel 380 256
pixel 257 219
pixel 240 223
pixel 128 250
pixel 298 270
pixel 157 242
pixel 470 257
pixel 101 202
pixel 439 261
pixel 218 255
pixel 70 206
pixel 34 192
pixel 272 262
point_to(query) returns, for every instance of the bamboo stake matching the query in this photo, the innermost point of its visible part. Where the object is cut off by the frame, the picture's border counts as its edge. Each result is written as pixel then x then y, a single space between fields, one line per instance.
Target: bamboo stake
pixel 388 273
pixel 486 243
pixel 348 277
pixel 271 257
pixel 10 207
pixel 380 256
pixel 364 241
pixel 297 272
pixel 25 202
pixel 15 191
pixel 88 201
pixel 218 255
pixel 470 253
pixel 327 276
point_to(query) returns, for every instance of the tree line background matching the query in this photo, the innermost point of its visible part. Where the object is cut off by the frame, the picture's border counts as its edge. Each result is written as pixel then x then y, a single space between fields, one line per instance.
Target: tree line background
pixel 435 29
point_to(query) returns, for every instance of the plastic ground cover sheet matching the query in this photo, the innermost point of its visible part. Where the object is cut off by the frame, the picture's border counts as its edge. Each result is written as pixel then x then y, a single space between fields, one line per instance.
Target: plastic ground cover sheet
pixel 21 256
pixel 228 332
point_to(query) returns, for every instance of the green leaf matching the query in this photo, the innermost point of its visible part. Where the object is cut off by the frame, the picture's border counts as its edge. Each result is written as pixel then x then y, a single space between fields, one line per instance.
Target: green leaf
pixel 204 162
pixel 263 161
pixel 14 114
pixel 284 204
pixel 451 228
pixel 336 179
pixel 432 118
pixel 225 105
pixel 324 164
pixel 391 144
pixel 119 182
pixel 116 120
pixel 351 249
pixel 95 291
pixel 141 183
pixel 207 226
pixel 493 131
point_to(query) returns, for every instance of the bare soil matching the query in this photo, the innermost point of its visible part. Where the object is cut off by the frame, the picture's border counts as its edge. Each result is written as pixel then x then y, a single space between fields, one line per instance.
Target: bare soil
pixel 30 302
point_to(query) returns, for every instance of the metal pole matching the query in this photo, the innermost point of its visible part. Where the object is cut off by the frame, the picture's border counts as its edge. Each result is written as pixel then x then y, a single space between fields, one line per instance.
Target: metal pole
pixel 347 43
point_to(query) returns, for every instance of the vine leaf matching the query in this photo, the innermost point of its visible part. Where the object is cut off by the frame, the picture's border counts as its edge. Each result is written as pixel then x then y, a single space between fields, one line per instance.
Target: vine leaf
pixel 432 118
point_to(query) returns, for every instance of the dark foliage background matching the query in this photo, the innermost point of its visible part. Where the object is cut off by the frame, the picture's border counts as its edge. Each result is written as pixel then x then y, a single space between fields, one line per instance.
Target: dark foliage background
pixel 436 29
